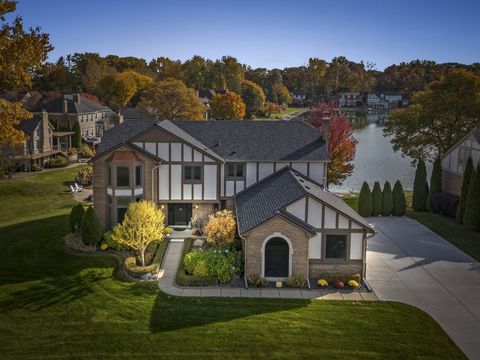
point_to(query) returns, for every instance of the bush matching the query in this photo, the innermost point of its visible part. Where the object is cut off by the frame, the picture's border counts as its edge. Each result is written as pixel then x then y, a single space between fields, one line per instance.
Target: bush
pixel 90 228
pixel 74 242
pixel 322 283
pixel 137 271
pixel 221 228
pixel 445 204
pixel 420 187
pixel 107 239
pixel 365 201
pixel 338 284
pixel 357 278
pixel 376 199
pixel 57 162
pixel 471 219
pixel 199 221
pixel 435 183
pixel 75 218
pixel 87 151
pixel 399 200
pixel 85 176
pixel 184 279
pixel 72 151
pixel 467 176
pixel 256 280
pixel 297 281
pixel 353 284
pixel 387 200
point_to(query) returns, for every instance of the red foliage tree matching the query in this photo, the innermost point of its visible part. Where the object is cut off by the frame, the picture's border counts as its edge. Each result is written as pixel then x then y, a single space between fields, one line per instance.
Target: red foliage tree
pixel 91 97
pixel 341 143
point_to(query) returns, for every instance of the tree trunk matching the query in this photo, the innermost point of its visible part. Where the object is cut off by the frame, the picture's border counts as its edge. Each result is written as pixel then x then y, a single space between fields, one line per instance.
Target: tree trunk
pixel 143 256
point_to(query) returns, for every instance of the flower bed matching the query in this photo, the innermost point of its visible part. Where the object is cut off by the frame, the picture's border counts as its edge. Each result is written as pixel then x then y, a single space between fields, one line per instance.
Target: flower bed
pixel 184 279
pixel 137 271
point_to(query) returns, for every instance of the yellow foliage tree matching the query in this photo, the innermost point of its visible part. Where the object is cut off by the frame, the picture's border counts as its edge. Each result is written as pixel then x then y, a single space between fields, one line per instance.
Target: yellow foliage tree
pixel 11 114
pixel 142 225
pixel 228 106
pixel 119 88
pixel 221 228
pixel 283 95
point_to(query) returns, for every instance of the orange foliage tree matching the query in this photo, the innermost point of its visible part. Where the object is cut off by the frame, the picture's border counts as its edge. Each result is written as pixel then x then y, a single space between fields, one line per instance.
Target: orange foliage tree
pixel 228 106
pixel 341 143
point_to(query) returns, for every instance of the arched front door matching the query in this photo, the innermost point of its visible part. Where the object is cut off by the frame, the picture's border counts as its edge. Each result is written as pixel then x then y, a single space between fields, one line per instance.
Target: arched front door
pixel 276 258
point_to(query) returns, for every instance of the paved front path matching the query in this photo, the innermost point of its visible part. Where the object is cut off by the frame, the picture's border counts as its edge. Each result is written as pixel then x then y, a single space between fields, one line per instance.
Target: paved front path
pixel 407 262
pixel 172 260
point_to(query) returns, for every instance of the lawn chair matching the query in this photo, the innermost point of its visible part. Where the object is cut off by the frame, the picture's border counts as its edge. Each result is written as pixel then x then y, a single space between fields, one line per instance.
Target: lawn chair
pixel 72 189
pixel 78 187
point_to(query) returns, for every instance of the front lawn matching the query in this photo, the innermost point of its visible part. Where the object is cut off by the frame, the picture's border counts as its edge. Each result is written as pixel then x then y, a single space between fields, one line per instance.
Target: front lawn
pixel 54 305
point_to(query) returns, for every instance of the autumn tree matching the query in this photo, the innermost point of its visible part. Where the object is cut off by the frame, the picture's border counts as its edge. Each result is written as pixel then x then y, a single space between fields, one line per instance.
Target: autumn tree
pixel 171 99
pixel 227 106
pixel 253 97
pixel 315 78
pixel 196 72
pixel 282 94
pixel 142 225
pixel 341 143
pixel 164 68
pixel 221 228
pixel 439 117
pixel 119 88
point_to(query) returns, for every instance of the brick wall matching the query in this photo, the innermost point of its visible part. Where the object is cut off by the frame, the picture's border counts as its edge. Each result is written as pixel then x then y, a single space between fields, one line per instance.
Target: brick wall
pixel 318 268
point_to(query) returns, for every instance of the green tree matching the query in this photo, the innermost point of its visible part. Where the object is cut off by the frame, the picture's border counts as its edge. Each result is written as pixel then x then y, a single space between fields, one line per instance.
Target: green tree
pixel 90 227
pixel 387 199
pixel 376 199
pixel 435 182
pixel 399 200
pixel 253 97
pixel 282 93
pixel 471 218
pixel 420 184
pixel 171 99
pixel 365 201
pixel 227 106
pixel 75 218
pixel 164 68
pixel 467 176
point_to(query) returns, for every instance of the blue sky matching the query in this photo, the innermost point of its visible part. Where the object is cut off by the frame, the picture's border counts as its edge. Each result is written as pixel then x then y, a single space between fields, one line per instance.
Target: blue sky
pixel 263 33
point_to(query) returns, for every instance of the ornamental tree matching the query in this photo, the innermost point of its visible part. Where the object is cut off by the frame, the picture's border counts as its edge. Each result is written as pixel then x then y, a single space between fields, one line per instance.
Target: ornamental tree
pixel 471 219
pixel 227 106
pixel 365 201
pixel 376 199
pixel 387 199
pixel 142 225
pixel 467 175
pixel 420 187
pixel 90 227
pixel 435 182
pixel 221 228
pixel 399 200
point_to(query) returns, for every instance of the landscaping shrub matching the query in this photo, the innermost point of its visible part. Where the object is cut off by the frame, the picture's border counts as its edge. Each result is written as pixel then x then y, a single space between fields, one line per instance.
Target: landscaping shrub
pixel 72 151
pixel 471 219
pixel 420 187
pixel 85 176
pixel 445 204
pixel 435 183
pixel 365 201
pixel 87 151
pixel 376 199
pixel 357 278
pixel 256 280
pixel 353 284
pixel 399 200
pixel 90 227
pixel 387 200
pixel 297 281
pixel 322 283
pixel 75 218
pixel 221 228
pixel 184 279
pixel 57 162
pixel 467 175
pixel 137 271
pixel 74 242
pixel 338 284
pixel 199 221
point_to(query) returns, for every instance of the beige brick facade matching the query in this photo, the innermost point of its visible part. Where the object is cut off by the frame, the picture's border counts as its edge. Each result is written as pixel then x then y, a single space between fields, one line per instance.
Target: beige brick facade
pixel 319 268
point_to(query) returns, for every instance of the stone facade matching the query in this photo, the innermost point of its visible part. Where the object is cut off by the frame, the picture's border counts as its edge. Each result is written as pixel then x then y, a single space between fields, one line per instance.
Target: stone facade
pixel 451 182
pixel 278 225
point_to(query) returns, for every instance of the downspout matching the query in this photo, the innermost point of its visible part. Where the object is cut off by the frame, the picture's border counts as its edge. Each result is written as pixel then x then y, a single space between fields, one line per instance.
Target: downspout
pixel 244 250
pixel 155 167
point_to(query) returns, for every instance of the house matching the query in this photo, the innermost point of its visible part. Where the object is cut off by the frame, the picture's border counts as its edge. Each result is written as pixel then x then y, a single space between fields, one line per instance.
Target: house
pixel 298 98
pixel 270 173
pixel 394 99
pixel 387 100
pixel 349 99
pixel 454 160
pixel 43 142
pixel 94 119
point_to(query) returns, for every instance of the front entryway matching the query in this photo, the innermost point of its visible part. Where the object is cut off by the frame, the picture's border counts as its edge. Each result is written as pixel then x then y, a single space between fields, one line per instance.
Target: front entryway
pixel 276 258
pixel 179 214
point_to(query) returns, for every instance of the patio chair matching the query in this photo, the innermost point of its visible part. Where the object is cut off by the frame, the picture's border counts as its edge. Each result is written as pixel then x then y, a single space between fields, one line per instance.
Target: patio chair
pixel 78 187
pixel 72 189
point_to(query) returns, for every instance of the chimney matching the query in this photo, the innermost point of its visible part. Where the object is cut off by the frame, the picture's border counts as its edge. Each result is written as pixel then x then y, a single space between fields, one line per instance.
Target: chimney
pixel 119 118
pixel 325 129
pixel 65 106
pixel 76 98
pixel 45 135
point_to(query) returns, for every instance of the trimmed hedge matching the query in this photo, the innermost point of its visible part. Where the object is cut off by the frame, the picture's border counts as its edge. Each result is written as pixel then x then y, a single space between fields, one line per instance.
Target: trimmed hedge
pixel 57 162
pixel 445 204
pixel 137 271
pixel 387 200
pixel 376 199
pixel 184 279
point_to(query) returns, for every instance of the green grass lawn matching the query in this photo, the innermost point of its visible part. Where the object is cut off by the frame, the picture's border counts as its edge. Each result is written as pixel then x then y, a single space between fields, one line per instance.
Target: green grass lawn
pixel 53 305
pixel 287 111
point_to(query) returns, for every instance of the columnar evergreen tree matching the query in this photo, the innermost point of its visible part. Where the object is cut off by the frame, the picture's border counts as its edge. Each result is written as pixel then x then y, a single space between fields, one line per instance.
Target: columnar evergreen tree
pixel 420 185
pixel 90 227
pixel 467 175
pixel 387 199
pixel 399 201
pixel 365 201
pixel 76 137
pixel 75 218
pixel 376 199
pixel 471 219
pixel 435 182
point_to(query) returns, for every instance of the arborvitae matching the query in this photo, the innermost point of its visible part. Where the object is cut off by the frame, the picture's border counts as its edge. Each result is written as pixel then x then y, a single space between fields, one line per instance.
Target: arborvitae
pixel 420 187
pixel 76 138
pixel 365 201
pixel 399 201
pixel 387 200
pixel 471 219
pixel 435 182
pixel 90 228
pixel 75 218
pixel 467 175
pixel 376 199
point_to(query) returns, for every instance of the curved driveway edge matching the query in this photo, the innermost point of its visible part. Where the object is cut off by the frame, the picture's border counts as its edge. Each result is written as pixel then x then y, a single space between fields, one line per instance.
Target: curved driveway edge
pixel 407 262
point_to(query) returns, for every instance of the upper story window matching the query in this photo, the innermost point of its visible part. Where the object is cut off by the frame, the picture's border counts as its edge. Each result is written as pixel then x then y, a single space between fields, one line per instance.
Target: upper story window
pixel 138 175
pixel 236 171
pixel 192 174
pixel 123 176
pixel 335 246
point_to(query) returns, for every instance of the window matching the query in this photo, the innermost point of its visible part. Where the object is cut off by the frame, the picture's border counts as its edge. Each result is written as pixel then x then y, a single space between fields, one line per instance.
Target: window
pixel 123 176
pixel 122 207
pixel 192 174
pixel 336 246
pixel 236 171
pixel 138 175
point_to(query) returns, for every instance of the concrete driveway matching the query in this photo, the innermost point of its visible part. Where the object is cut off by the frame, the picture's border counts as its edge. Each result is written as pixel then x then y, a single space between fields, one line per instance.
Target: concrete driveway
pixel 407 262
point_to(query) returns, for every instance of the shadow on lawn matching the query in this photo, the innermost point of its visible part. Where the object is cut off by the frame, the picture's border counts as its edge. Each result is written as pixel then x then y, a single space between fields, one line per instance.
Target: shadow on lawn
pixel 172 313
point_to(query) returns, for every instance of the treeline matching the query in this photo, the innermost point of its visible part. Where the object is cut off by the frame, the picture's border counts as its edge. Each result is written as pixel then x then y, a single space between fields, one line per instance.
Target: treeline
pixel 318 79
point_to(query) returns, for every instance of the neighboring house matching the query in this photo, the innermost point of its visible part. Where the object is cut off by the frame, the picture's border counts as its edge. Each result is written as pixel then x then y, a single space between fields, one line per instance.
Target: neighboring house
pixel 349 99
pixel 42 143
pixel 455 159
pixel 94 119
pixel 205 96
pixel 394 99
pixel 387 100
pixel 195 167
pixel 298 99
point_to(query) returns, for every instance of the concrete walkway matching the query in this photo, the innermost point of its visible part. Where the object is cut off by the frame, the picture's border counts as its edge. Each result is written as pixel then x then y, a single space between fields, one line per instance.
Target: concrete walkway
pixel 406 262
pixel 166 282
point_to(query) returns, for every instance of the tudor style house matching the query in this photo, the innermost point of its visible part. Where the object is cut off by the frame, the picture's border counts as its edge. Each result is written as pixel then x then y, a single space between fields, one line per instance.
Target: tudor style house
pixel 270 173
pixel 454 160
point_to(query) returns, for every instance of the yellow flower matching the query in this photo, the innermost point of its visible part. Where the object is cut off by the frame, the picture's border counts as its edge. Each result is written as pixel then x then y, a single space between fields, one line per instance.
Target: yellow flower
pixel 322 282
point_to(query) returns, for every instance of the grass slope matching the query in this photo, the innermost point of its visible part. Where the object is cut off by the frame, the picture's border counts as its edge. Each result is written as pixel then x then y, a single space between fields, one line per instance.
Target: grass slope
pixel 59 306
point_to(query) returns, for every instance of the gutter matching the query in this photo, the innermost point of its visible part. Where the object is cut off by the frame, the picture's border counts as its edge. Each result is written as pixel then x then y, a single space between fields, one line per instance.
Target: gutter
pixel 155 167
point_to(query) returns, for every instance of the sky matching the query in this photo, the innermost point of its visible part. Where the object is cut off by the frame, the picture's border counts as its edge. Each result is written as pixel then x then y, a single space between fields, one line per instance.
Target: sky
pixel 270 34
